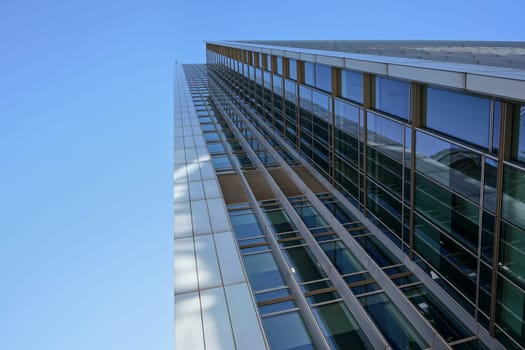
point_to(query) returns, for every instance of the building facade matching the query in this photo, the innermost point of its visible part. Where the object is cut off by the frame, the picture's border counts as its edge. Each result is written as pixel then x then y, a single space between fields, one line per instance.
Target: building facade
pixel 340 194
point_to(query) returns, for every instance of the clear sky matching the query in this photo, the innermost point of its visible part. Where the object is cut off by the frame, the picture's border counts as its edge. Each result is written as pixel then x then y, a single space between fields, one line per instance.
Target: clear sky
pixel 86 151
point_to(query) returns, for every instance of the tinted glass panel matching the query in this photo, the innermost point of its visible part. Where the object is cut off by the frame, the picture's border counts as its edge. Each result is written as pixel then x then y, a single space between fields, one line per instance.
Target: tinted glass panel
pixel 512 253
pixel 518 125
pixel 393 325
pixel 287 331
pixel 339 327
pixel 262 271
pixel 510 310
pixel 393 96
pixel 341 257
pixel 302 264
pixel 279 221
pixel 514 196
pixel 323 77
pixel 444 321
pixel 292 70
pixel 453 166
pixel 455 114
pixel 245 226
pixel 352 85
pixel 309 73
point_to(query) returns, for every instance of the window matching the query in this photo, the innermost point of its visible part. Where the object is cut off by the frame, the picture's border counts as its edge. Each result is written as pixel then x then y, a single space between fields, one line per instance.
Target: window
pixel 393 97
pixel 323 77
pixel 518 138
pixel 309 73
pixel 352 85
pixel 455 114
pixel 318 75
pixel 292 69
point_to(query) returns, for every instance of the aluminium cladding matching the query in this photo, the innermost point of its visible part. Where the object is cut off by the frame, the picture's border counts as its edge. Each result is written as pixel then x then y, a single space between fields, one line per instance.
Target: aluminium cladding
pixel 494 68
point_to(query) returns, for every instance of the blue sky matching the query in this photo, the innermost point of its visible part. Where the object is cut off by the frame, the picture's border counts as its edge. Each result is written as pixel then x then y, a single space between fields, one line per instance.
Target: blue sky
pixel 86 149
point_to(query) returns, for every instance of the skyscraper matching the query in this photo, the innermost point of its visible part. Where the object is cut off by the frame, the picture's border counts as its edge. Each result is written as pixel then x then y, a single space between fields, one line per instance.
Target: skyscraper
pixel 350 194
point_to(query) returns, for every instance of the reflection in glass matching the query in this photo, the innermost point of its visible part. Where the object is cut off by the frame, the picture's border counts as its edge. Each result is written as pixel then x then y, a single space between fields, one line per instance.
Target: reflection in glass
pixel 352 85
pixel 510 310
pixel 339 327
pixel 292 69
pixel 262 271
pixel 245 226
pixel 512 253
pixel 392 96
pixel 287 331
pixel 391 322
pixel 309 73
pixel 513 207
pixel 453 166
pixel 323 77
pixel 455 114
pixel 385 140
pixel 302 265
pixel 343 260
pixel 446 256
pixel 518 137
pixel 433 309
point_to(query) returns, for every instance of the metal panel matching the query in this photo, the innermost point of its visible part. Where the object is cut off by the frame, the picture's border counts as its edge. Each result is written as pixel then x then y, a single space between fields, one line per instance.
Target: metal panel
pixel 188 322
pixel 246 328
pixel 330 60
pixel 366 66
pixel 229 260
pixel 451 79
pixel 216 320
pixel 497 86
pixel 185 266
pixel 209 274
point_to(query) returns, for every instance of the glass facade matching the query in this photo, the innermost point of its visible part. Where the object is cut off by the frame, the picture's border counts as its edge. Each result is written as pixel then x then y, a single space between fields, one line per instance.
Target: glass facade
pixel 448 195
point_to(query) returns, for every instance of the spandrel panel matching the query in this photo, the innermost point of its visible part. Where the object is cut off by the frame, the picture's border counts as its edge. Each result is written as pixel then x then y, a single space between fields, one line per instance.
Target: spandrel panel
pixel 185 266
pixel 200 218
pixel 246 330
pixel 207 265
pixel 229 260
pixel 215 319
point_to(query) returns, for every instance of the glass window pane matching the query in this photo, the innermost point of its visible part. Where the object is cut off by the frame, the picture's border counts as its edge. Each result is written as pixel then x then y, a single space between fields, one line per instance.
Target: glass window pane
pixel 393 97
pixel 292 69
pixel 245 226
pixel 352 85
pixel 287 331
pixel 518 125
pixel 302 265
pixel 279 65
pixel 309 73
pixel 452 166
pixel 433 309
pixel 455 114
pixel 512 254
pixel 323 77
pixel 343 260
pixel 279 221
pixel 391 322
pixel 339 327
pixel 514 196
pixel 262 271
pixel 510 310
